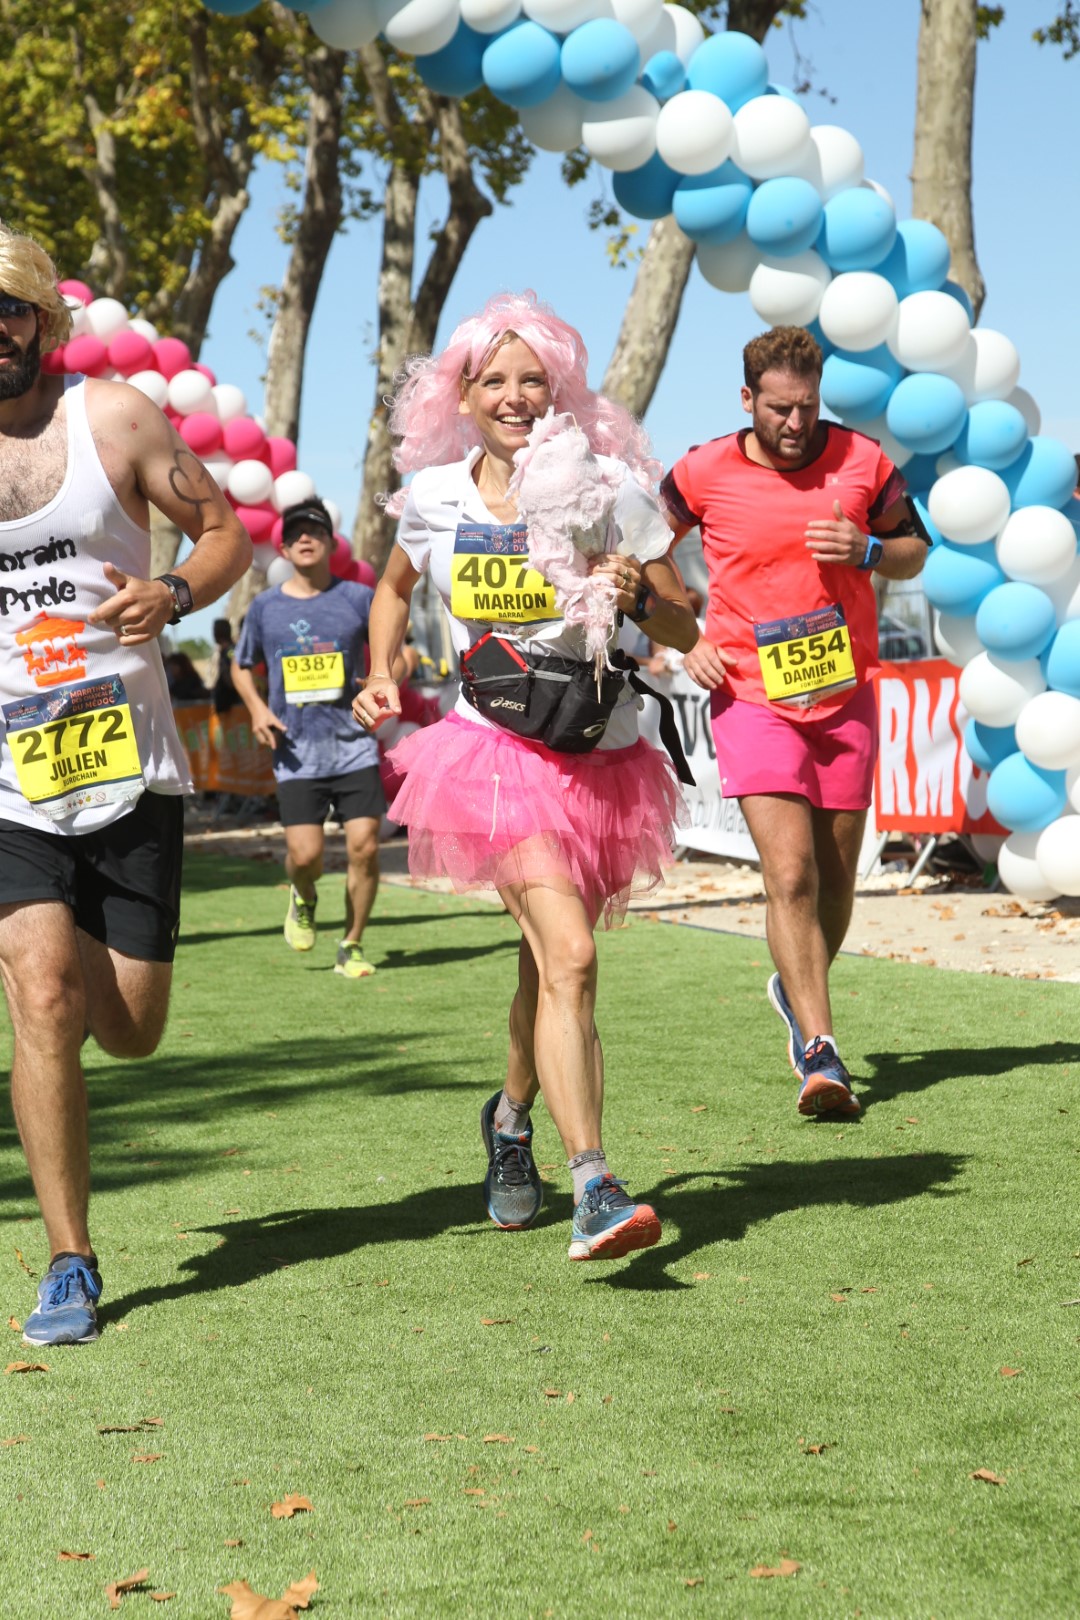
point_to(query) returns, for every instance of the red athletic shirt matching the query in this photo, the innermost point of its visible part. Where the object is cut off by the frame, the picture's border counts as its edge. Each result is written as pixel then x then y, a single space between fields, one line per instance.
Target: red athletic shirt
pixel 753 527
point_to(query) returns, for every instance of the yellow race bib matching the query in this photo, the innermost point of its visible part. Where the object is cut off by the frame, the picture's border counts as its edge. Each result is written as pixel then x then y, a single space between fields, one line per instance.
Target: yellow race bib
pixel 806 658
pixel 315 676
pixel 490 577
pixel 75 748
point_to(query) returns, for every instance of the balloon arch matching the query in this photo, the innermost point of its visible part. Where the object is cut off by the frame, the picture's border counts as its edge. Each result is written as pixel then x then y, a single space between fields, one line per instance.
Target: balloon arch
pixel 690 125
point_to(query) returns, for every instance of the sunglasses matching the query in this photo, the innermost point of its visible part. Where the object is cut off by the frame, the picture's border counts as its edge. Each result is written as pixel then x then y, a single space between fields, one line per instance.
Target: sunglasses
pixel 14 309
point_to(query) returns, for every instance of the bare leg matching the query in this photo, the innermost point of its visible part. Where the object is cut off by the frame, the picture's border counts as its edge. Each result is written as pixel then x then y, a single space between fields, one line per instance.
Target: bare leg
pixel 837 841
pixel 362 875
pixel 782 827
pixel 304 858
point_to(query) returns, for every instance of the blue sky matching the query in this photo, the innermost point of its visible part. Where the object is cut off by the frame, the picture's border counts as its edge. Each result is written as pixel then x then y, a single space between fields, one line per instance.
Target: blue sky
pixel 863 54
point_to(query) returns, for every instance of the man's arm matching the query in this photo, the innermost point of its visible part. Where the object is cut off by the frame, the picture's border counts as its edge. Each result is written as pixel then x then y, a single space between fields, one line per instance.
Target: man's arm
pixel 839 541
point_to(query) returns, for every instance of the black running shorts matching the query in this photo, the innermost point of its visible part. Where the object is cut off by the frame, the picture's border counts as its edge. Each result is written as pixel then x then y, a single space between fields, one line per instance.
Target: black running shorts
pixel 122 882
pixel 305 801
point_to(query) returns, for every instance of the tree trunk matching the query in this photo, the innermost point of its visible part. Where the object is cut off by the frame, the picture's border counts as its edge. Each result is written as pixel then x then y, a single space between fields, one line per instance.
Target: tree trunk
pixel 944 110
pixel 652 310
pixel 165 540
pixel 318 222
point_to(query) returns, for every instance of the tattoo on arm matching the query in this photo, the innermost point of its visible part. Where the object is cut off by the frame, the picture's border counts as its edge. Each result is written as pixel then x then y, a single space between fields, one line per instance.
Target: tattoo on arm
pixel 187 476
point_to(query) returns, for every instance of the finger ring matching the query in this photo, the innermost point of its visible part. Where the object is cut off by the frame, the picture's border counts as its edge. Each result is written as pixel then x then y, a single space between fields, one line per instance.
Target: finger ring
pixel 625 578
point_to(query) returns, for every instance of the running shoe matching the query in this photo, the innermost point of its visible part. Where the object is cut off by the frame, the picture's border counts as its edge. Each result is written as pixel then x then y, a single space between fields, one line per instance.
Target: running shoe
pixel 608 1224
pixel 67 1295
pixel 781 1005
pixel 512 1189
pixel 826 1087
pixel 300 922
pixel 351 962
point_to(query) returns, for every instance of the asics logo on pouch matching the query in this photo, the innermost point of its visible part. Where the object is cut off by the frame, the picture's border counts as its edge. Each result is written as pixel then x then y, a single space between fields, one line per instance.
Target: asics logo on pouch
pixel 595 731
pixel 507 703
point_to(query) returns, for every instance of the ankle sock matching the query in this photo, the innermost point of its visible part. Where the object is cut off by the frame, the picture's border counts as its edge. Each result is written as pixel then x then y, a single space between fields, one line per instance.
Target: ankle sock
pixel 511 1118
pixel 584 1166
pixel 828 1039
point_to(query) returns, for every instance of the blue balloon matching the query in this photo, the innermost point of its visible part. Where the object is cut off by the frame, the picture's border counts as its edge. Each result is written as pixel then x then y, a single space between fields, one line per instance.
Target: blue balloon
pixel 457 70
pixel 987 746
pixel 732 66
pixel 783 90
pixel 1044 474
pixel 784 216
pixel 648 192
pixel 600 60
pixel 919 260
pixel 1062 669
pixel 521 66
pixel 1016 621
pixel 712 207
pixel 993 435
pixel 858 386
pixel 858 231
pixel 926 411
pixel 919 502
pixel 954 290
pixel 921 474
pixel 956 578
pixel 1022 796
pixel 231 8
pixel 664 75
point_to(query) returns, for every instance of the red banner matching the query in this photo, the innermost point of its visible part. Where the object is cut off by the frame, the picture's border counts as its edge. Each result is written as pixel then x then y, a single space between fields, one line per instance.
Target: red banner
pixel 925 781
pixel 224 756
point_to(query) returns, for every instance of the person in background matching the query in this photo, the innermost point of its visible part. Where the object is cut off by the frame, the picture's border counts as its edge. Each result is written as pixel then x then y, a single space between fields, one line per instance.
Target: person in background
pixel 185 682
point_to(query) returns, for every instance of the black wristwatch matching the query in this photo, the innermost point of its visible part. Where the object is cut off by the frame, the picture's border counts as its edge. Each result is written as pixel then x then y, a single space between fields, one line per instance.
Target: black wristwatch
pixel 644 604
pixel 180 591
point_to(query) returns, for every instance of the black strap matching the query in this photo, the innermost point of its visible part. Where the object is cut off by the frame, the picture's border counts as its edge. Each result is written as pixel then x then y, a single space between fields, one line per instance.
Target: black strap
pixel 669 731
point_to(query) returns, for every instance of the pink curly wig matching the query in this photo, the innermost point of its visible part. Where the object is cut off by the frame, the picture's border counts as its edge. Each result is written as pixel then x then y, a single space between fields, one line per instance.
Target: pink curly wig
pixel 424 412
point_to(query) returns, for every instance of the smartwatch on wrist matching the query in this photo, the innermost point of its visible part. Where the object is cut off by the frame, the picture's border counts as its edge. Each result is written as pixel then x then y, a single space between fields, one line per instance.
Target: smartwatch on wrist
pixel 644 604
pixel 874 550
pixel 180 591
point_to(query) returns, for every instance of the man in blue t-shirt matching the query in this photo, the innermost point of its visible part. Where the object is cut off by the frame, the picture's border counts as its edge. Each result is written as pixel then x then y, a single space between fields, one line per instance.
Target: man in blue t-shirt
pixel 311 633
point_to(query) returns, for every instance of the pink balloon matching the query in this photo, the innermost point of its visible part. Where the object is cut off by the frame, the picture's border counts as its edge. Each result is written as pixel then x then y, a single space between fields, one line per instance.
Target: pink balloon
pixel 282 456
pixel 351 572
pixel 202 432
pixel 130 352
pixel 244 439
pixel 52 364
pixel 257 520
pixel 276 533
pixel 341 556
pixel 174 416
pixel 75 289
pixel 206 372
pixel 86 354
pixel 365 574
pixel 171 356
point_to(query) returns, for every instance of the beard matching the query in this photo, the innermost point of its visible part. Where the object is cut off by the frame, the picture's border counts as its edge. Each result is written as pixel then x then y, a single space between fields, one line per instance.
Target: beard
pixel 20 376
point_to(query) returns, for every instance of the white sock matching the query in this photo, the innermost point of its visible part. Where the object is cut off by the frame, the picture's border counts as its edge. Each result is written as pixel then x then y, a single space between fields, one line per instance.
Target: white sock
pixel 828 1039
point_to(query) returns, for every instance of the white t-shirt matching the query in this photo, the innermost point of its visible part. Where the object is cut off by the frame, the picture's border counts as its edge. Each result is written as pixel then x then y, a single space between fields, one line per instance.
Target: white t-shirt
pixel 443 499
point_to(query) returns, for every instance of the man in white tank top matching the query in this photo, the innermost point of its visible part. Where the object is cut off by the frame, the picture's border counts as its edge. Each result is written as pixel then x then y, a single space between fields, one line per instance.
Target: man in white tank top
pixel 92 772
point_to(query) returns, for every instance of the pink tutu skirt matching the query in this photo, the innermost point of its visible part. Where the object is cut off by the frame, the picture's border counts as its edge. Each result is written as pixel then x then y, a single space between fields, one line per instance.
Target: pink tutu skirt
pixel 485 809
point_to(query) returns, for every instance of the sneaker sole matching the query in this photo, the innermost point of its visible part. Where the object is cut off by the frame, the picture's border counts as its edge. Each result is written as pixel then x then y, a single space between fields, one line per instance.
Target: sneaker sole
pixel 502 1226
pixel 774 1002
pixel 827 1097
pixel 55 1344
pixel 640 1231
pixel 306 945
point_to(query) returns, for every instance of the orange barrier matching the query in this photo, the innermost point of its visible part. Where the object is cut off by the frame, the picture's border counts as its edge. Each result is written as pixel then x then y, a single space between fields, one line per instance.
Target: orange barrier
pixel 223 755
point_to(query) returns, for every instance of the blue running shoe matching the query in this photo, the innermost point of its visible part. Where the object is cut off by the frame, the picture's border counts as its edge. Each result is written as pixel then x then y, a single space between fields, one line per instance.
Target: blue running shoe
pixel 512 1189
pixel 780 1003
pixel 608 1224
pixel 67 1295
pixel 826 1087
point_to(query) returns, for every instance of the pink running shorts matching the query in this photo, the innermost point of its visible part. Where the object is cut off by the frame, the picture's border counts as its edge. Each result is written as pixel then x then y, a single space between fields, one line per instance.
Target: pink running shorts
pixel 829 761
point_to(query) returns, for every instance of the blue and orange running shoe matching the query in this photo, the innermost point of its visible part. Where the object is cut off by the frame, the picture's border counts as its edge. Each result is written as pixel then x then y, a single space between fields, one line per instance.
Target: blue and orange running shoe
pixel 512 1187
pixel 826 1087
pixel 782 1006
pixel 67 1296
pixel 608 1224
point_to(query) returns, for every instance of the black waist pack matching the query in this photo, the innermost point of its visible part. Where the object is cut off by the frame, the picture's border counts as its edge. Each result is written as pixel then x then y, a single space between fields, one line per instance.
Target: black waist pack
pixel 555 701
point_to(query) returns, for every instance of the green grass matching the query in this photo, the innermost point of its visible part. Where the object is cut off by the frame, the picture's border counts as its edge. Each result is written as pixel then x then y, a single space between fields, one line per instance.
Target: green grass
pixel 298 1268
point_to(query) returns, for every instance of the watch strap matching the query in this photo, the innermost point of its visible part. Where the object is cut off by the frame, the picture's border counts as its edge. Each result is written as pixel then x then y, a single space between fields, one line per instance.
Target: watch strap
pixel 180 591
pixel 872 555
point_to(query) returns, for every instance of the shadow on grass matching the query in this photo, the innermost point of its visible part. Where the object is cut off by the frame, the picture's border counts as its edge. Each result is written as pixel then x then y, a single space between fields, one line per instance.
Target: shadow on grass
pixel 896 1074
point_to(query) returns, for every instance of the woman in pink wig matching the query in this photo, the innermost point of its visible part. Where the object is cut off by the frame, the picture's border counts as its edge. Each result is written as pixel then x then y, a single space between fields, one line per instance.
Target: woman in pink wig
pixel 531 505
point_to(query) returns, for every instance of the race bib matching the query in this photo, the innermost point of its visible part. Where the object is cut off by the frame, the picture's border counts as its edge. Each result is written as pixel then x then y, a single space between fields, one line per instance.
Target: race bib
pixel 75 748
pixel 806 658
pixel 490 577
pixel 315 675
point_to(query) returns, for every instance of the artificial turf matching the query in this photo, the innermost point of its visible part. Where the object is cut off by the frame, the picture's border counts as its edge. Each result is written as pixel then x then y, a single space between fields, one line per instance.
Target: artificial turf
pixel 302 1285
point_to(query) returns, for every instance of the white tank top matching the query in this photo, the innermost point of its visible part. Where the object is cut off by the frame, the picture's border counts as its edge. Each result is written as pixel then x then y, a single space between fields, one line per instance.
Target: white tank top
pixel 85 723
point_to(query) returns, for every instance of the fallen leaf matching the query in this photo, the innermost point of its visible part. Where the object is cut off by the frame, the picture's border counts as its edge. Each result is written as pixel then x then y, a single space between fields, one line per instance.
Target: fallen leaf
pixel 570 1397
pixel 702 1276
pixel 987 1477
pixel 439 1437
pixel 16 1440
pixel 131 1428
pixel 498 1439
pixel 867 1290
pixel 694 1580
pixel 290 1505
pixel 910 1121
pixel 74 1557
pixel 672 1526
pixel 25 1366
pixel 816 1450
pixel 161 1597
pixel 14 1324
pixel 496 1321
pixel 553 1394
pixel 786 1566
pixel 587 1536
pixel 700 1109
pixel 237 1541
pixel 146 1456
pixel 1026 1262
pixel 473 1490
pixel 838 1299
pixel 299 1594
pixel 22 1262
pixel 249 1605
pixel 1011 1372
pixel 115 1590
pixel 417 1501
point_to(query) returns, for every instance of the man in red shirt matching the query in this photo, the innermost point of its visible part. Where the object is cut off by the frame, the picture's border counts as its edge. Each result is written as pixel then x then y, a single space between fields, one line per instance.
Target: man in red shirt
pixel 796 515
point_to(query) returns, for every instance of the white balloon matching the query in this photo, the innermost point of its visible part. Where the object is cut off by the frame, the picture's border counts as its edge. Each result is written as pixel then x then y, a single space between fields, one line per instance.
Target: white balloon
pixel 490 16
pixel 145 329
pixel 772 137
pixel 788 292
pixel 969 505
pixel 105 317
pixel 989 366
pixel 1037 544
pixel 1019 870
pixel 621 134
pixel 833 161
pixel 79 323
pixel 230 401
pixel 878 428
pixel 291 487
pixel 190 391
pixel 262 556
pixel 1048 731
pixel 219 466
pixel 987 846
pixel 251 482
pixel 995 692
pixel 931 332
pixel 729 266
pixel 153 385
pixel 694 132
pixel 335 513
pixel 640 16
pixel 422 26
pixel 555 124
pixel 1072 786
pixel 279 571
pixel 1028 409
pixel 1065 594
pixel 563 16
pixel 1058 855
pixel 677 30
pixel 956 638
pixel 858 310
pixel 346 24
pixel 873 185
